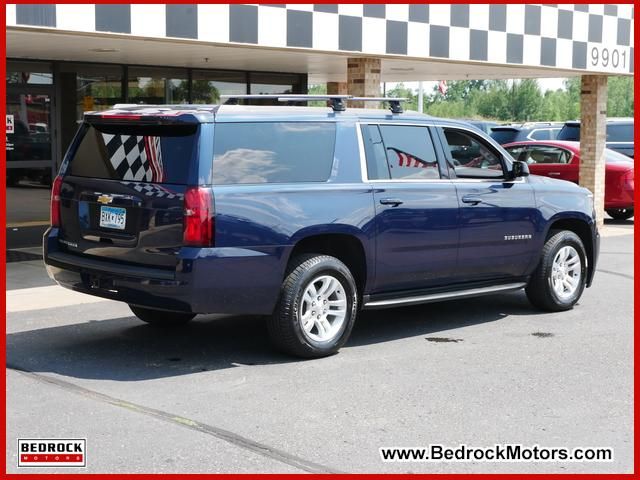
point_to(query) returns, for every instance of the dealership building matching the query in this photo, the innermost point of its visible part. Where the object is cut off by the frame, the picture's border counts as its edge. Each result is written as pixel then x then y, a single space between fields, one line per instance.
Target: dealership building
pixel 65 59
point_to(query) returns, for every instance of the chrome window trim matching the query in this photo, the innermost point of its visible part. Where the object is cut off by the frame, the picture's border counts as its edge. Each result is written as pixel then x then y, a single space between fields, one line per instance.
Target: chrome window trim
pixel 363 161
pixel 364 174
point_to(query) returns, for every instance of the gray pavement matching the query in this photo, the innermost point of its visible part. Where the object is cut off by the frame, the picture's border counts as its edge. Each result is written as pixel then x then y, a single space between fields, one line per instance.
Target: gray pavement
pixel 214 396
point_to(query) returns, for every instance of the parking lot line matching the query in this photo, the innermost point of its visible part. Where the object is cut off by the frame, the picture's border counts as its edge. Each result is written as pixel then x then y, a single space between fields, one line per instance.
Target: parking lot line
pixel 219 433
pixel 614 231
pixel 39 298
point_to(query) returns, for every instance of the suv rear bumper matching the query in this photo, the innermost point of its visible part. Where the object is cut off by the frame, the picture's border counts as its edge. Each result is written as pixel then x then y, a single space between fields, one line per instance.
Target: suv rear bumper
pixel 206 280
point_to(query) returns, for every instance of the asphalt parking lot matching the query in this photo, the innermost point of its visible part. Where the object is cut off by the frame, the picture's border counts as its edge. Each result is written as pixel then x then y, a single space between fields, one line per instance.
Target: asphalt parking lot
pixel 214 396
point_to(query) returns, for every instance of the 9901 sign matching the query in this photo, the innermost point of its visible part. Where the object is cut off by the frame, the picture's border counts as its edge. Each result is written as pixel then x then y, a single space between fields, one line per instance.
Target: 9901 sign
pixel 609 57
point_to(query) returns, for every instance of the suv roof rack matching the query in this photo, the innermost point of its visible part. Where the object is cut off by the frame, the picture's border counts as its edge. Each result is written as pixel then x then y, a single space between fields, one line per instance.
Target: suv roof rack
pixel 394 103
pixel 335 101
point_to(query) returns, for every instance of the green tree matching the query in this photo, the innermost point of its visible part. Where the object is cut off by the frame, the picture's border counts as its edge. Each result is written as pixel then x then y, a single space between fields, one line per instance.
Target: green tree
pixel 620 100
pixel 494 102
pixel 525 99
pixel 401 91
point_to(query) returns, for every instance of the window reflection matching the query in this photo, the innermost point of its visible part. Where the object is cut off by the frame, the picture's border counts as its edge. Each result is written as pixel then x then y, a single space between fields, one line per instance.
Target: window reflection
pixel 208 85
pixel 156 86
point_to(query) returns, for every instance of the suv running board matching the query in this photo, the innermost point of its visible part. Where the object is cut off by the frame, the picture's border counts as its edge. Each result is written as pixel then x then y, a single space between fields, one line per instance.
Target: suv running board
pixel 435 297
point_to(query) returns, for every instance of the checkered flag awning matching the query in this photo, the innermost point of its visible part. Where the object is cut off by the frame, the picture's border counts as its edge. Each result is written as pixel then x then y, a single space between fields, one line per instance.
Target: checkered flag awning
pixel 137 158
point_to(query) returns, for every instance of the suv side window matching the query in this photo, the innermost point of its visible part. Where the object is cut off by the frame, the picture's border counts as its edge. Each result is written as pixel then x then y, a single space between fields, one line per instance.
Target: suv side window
pixel 273 152
pixel 540 134
pixel 470 157
pixel 410 152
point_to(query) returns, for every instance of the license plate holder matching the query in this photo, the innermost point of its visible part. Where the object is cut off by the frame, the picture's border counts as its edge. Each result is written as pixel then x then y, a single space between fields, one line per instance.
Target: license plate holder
pixel 113 217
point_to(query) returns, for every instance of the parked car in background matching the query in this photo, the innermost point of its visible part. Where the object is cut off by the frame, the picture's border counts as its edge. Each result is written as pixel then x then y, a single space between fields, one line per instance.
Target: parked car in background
pixel 483 125
pixel 561 159
pixel 619 134
pixel 526 131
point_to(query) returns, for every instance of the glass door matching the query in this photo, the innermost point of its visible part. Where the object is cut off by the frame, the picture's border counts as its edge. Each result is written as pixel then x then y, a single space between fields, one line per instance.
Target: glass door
pixel 29 157
pixel 29 134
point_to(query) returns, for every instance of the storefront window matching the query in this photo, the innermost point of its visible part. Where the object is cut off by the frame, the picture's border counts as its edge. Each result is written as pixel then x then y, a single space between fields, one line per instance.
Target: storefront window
pixel 28 73
pixel 158 86
pixel 98 88
pixel 274 83
pixel 29 153
pixel 208 85
pixel 85 88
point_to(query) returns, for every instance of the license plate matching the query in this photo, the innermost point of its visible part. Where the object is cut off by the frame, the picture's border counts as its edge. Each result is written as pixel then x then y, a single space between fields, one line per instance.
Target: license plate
pixel 113 217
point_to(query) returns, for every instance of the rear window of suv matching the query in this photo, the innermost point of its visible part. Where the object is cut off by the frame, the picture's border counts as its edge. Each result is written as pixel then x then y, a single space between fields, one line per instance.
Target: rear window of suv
pixel 570 133
pixel 273 152
pixel 141 153
pixel 619 133
pixel 616 132
pixel 503 136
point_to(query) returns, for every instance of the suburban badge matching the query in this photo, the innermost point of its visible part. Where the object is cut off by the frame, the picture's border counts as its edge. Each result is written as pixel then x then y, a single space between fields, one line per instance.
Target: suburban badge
pixel 517 237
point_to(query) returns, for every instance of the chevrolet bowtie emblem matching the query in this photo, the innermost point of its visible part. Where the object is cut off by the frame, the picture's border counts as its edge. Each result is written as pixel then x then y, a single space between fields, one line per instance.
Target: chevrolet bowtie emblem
pixel 105 199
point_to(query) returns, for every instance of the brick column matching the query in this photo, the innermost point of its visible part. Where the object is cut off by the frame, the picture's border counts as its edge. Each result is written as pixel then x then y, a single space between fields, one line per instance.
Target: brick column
pixel 363 80
pixel 593 135
pixel 337 88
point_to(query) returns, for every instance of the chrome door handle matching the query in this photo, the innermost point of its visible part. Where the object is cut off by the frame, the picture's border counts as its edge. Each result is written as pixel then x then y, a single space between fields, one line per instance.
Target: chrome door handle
pixel 471 199
pixel 555 174
pixel 391 201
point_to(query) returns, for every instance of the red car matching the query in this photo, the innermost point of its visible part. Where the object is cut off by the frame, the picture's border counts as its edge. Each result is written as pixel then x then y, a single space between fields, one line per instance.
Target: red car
pixel 561 159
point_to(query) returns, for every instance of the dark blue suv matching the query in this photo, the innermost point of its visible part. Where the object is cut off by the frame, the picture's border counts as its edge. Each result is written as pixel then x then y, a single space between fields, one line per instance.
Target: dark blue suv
pixel 307 216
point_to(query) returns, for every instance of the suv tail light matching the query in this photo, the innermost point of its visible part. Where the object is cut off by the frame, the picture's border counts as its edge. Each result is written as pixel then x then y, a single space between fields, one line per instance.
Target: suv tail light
pixel 55 201
pixel 198 217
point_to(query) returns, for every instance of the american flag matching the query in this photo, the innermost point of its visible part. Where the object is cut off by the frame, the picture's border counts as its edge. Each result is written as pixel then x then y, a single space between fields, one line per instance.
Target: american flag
pixel 137 158
pixel 442 86
pixel 407 160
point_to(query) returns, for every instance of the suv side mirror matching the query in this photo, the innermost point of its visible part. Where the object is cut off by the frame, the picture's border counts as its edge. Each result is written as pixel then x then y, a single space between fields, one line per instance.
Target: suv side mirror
pixel 519 169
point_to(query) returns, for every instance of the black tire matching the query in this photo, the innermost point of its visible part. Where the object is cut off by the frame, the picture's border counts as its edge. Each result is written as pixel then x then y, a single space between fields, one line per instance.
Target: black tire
pixel 621 213
pixel 284 325
pixel 540 290
pixel 161 318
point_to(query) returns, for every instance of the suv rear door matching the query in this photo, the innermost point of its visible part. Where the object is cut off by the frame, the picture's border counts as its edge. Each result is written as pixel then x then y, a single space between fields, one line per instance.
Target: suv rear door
pixel 416 209
pixel 123 190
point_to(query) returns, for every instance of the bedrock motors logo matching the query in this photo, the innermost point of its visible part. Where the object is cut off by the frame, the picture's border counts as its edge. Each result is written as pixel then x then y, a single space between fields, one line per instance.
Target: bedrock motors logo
pixel 50 452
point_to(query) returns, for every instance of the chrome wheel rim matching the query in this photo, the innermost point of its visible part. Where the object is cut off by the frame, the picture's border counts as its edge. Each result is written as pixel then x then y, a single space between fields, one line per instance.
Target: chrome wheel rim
pixel 323 308
pixel 566 271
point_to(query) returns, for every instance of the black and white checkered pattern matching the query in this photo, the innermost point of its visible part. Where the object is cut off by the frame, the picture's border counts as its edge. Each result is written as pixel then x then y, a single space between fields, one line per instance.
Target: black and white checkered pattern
pixel 561 36
pixel 128 157
pixel 155 191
